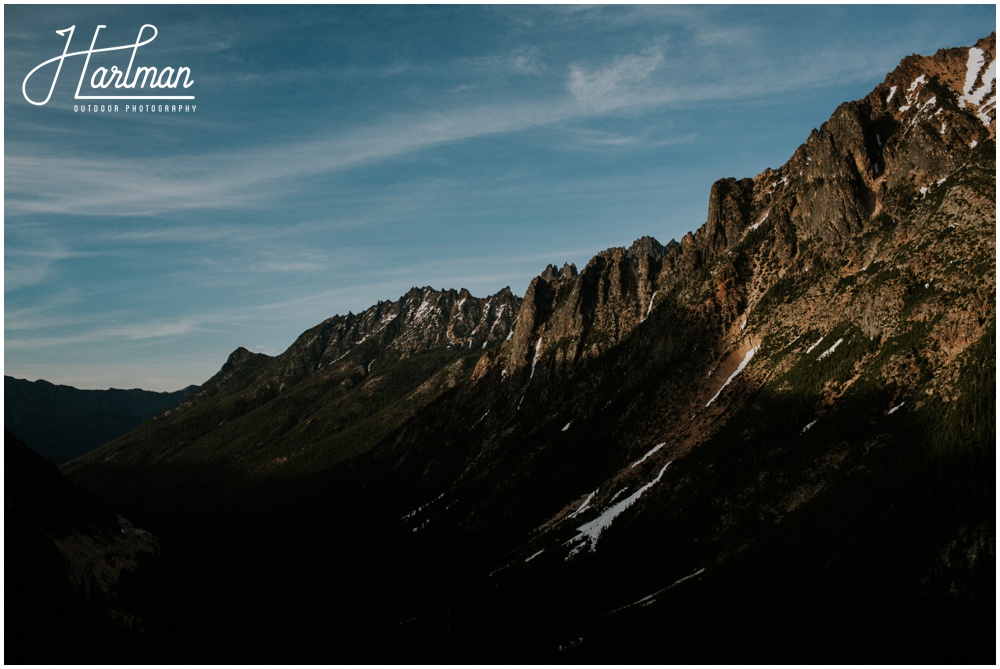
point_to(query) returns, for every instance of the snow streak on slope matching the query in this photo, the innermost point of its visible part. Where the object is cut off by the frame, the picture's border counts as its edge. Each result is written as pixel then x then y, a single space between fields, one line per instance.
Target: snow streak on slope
pixel 810 349
pixel 589 533
pixel 732 376
pixel 651 451
pixel 650 307
pixel 583 507
pixel 977 96
pixel 972 67
pixel 650 599
pixel 538 350
pixel 831 349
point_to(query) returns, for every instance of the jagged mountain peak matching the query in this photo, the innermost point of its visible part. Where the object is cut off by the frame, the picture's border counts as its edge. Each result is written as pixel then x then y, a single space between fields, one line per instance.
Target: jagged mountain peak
pixel 968 72
pixel 421 319
pixel 648 246
pixel 552 272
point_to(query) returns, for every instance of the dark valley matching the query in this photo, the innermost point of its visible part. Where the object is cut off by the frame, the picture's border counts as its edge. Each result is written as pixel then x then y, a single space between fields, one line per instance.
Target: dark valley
pixel 772 441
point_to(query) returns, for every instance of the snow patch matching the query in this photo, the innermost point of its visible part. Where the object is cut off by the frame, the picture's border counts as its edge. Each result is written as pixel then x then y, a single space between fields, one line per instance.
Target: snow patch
pixel 582 507
pixel 688 577
pixel 973 144
pixel 977 96
pixel 651 451
pixel 810 349
pixel 529 559
pixel 831 349
pixel 589 533
pixel 989 78
pixel 413 513
pixel 910 97
pixel 500 311
pixel 972 68
pixel 808 426
pixel 732 376
pixel 650 307
pixel 894 409
pixel 650 599
pixel 566 426
pixel 618 494
pixel 538 349
pixel 892 91
pixel 762 219
pixel 984 111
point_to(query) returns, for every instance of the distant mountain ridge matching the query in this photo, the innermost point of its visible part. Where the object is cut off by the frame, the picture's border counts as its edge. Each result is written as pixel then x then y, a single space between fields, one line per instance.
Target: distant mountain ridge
pixel 344 382
pixel 62 422
pixel 779 431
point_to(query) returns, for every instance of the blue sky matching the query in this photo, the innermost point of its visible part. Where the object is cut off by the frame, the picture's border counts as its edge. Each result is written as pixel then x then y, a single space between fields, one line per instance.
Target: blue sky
pixel 340 155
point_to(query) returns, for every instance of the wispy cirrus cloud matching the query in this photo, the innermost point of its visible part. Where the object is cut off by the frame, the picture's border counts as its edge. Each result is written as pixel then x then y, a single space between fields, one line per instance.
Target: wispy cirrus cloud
pixel 521 60
pixel 614 84
pixel 30 267
pixel 161 329
pixel 47 182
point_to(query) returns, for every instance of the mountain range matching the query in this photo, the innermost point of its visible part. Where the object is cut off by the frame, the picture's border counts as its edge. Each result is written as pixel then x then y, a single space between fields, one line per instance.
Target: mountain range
pixel 61 422
pixel 771 441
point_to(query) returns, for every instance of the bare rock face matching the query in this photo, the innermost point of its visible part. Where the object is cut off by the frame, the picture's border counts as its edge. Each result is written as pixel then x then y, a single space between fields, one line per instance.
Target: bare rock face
pixel 567 316
pixel 728 213
pixel 834 181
